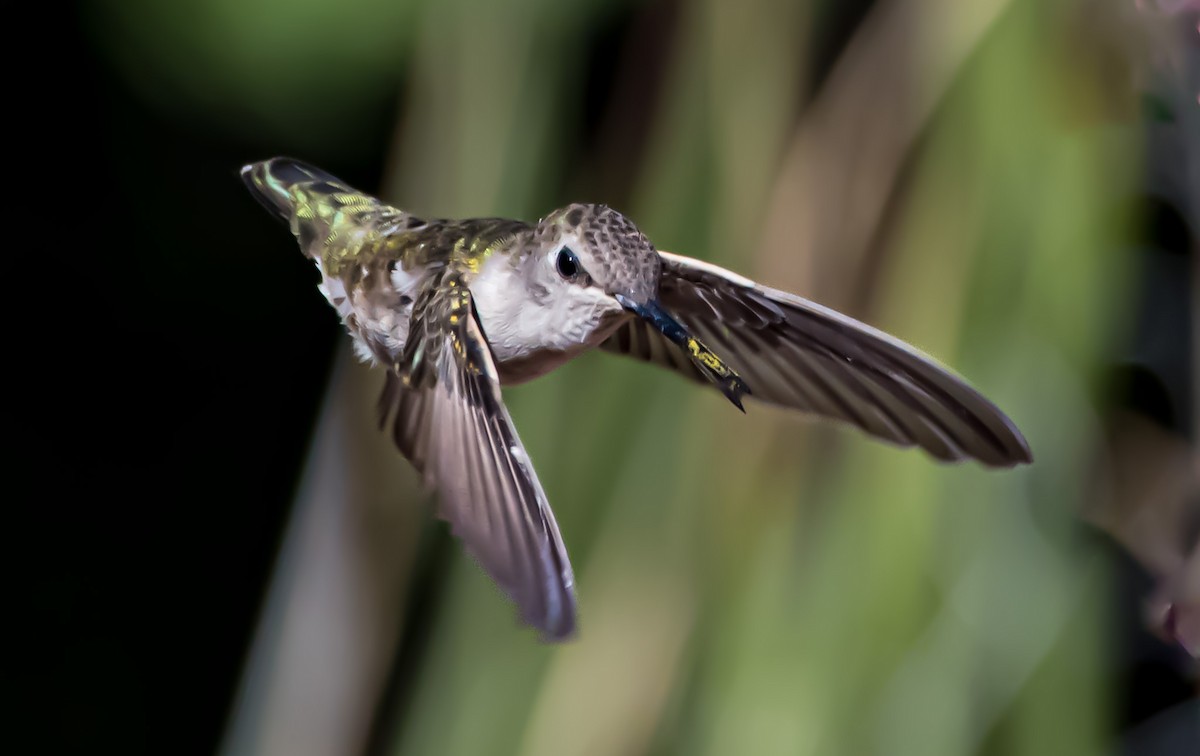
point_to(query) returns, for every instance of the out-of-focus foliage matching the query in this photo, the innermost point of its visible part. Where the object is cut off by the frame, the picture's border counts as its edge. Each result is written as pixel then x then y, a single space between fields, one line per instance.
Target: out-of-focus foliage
pixel 750 584
pixel 295 71
pixel 746 591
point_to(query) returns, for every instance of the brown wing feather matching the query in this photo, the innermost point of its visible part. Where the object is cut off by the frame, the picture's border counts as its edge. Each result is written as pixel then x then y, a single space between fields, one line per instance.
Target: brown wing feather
pixel 447 416
pixel 798 354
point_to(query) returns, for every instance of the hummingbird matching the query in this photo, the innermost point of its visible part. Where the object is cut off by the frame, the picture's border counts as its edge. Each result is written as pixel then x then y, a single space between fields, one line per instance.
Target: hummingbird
pixel 455 309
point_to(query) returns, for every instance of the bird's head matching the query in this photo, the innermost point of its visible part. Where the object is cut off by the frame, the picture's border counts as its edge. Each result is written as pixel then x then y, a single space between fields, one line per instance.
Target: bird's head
pixel 594 246
pixel 599 255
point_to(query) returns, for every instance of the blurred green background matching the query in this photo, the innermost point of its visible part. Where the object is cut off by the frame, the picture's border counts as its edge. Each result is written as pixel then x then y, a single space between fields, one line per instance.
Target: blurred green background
pixel 977 178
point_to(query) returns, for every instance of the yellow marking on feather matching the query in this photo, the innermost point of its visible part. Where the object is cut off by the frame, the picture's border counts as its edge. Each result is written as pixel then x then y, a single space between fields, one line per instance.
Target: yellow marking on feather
pixel 710 360
pixel 480 253
pixel 458 252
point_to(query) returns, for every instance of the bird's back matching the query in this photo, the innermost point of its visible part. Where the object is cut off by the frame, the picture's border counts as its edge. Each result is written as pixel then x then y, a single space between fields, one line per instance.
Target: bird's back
pixel 374 258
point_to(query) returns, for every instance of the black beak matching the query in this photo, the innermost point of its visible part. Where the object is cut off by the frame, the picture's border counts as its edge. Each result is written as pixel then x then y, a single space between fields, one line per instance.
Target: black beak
pixel 708 364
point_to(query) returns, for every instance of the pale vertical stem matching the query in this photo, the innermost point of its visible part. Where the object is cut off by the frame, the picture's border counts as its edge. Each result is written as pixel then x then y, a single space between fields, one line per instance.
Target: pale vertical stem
pixel 333 613
pixel 847 152
pixel 752 100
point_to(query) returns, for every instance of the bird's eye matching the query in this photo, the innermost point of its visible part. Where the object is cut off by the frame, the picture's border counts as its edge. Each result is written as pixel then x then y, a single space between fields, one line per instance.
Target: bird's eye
pixel 567 264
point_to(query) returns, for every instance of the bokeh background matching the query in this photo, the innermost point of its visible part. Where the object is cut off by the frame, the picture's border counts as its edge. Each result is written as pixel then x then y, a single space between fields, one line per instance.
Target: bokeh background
pixel 1011 185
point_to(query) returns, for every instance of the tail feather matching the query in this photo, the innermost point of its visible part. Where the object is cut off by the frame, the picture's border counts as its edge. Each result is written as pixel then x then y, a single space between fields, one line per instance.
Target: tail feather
pixel 274 183
pixel 328 218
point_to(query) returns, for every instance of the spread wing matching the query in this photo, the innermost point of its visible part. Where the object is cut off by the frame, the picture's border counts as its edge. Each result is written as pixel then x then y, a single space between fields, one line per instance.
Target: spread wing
pixel 446 413
pixel 798 354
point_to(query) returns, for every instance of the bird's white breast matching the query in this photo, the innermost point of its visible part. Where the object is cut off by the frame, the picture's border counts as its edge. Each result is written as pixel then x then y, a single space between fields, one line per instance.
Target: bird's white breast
pixel 537 333
pixel 529 336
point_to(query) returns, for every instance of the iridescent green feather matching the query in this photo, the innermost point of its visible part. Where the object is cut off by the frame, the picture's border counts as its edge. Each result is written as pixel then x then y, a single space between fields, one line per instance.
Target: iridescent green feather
pixel 348 230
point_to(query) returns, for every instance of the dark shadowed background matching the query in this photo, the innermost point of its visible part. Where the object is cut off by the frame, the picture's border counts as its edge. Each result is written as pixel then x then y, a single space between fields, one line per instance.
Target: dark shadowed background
pixel 234 562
